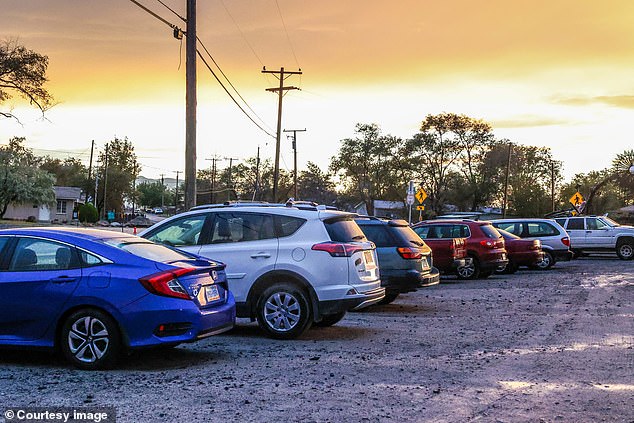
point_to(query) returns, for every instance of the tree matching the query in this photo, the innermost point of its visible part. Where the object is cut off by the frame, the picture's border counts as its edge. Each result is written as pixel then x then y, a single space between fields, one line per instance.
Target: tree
pixel 117 170
pixel 154 194
pixel 23 71
pixel 21 180
pixel 433 152
pixel 315 185
pixel 69 172
pixel 365 165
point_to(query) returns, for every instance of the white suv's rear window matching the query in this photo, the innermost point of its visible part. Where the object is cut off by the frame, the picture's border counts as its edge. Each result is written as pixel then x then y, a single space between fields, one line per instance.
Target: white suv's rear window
pixel 344 230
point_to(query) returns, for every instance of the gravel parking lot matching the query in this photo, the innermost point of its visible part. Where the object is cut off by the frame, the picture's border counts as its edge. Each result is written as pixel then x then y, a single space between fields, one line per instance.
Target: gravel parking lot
pixel 552 346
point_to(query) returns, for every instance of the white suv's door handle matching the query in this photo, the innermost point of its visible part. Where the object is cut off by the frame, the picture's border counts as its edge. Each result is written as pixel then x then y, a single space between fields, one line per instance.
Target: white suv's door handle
pixel 261 255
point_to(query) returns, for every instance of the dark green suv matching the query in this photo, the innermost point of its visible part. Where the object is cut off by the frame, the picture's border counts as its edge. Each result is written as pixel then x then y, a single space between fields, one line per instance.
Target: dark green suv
pixel 405 261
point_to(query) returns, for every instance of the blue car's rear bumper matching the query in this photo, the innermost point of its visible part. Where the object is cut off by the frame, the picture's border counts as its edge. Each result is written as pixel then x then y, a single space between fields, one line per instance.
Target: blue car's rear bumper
pixel 142 319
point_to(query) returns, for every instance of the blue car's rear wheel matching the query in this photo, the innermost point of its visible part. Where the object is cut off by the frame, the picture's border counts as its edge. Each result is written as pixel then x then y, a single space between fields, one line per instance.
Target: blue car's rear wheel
pixel 90 339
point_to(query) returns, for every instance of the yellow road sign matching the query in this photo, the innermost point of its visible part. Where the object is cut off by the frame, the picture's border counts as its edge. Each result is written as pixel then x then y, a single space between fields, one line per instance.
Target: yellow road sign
pixel 421 195
pixel 420 207
pixel 576 199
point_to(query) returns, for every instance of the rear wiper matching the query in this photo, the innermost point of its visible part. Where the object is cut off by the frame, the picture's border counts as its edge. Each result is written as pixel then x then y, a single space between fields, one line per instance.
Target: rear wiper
pixel 358 238
pixel 420 244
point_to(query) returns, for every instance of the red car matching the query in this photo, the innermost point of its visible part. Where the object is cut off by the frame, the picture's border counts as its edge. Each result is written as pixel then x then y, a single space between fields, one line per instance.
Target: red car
pixel 485 245
pixel 521 252
pixel 449 254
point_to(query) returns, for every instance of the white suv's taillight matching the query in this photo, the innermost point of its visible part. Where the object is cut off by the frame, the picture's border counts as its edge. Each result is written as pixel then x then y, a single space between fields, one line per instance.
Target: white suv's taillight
pixel 337 249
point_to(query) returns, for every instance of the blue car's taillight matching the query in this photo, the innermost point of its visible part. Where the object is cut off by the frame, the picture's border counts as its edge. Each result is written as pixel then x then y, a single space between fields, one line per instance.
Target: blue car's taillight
pixel 166 283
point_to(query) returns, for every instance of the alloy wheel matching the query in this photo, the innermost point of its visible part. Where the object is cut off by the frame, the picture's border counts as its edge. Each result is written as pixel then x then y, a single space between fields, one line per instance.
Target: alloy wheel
pixel 88 339
pixel 282 311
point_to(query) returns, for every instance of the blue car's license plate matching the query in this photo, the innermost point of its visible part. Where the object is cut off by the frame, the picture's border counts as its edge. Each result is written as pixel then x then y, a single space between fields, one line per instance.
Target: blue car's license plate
pixel 211 293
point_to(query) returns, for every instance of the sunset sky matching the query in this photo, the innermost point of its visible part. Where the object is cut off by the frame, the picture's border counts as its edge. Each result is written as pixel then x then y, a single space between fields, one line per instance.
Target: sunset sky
pixel 549 73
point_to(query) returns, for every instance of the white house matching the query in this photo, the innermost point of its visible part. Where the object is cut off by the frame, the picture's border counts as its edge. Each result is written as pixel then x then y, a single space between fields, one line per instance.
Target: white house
pixel 65 200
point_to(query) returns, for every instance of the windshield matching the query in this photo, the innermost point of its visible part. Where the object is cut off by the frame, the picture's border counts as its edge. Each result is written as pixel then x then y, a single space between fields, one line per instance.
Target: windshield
pixel 148 250
pixel 344 230
pixel 610 221
pixel 489 231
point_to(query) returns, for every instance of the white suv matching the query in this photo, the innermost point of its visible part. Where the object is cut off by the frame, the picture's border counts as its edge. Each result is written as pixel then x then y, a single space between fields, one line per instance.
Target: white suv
pixel 599 233
pixel 287 266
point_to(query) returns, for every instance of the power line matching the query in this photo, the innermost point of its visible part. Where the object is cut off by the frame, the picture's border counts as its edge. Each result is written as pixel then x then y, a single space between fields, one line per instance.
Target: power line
pixel 241 33
pixel 287 36
pixel 230 96
pixel 172 10
pixel 171 25
pixel 232 86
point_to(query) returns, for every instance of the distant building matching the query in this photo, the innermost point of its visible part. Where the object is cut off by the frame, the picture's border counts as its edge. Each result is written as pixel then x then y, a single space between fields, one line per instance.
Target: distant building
pixel 65 200
pixel 382 208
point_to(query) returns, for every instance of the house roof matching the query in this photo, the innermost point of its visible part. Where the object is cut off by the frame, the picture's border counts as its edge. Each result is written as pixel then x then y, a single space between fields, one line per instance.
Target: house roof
pixel 67 193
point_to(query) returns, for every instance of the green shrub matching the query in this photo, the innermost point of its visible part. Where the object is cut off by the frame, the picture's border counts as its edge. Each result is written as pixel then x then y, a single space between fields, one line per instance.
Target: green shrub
pixel 88 213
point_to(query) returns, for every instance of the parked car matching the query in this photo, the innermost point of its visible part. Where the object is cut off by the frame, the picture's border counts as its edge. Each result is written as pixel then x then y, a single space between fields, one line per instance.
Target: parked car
pixel 449 253
pixel 158 210
pixel 485 245
pixel 405 262
pixel 93 293
pixel 288 266
pixel 591 234
pixel 555 240
pixel 521 252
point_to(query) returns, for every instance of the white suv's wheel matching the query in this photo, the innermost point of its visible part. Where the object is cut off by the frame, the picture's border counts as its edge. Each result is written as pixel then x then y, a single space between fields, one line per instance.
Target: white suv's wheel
pixel 625 250
pixel 283 311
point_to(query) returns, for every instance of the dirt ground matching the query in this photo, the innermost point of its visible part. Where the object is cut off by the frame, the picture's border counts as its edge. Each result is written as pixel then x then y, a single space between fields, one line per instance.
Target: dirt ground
pixel 553 346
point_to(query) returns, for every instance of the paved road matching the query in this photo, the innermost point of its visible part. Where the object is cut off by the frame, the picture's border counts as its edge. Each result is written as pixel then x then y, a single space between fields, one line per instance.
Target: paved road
pixel 554 346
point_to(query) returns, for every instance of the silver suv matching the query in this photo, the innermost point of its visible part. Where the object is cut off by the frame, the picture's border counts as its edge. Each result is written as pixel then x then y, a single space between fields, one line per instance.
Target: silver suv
pixel 555 241
pixel 599 234
pixel 287 266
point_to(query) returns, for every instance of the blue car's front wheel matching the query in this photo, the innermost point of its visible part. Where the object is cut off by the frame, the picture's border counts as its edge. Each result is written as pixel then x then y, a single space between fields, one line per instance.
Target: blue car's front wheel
pixel 90 339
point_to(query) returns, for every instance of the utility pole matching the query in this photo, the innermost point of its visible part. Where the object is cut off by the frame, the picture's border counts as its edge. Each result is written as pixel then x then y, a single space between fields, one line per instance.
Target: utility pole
pixel 552 184
pixel 295 131
pixel 92 148
pixel 257 175
pixel 190 99
pixel 162 191
pixel 176 196
pixel 280 91
pixel 506 180
pixel 105 184
pixel 230 188
pixel 212 184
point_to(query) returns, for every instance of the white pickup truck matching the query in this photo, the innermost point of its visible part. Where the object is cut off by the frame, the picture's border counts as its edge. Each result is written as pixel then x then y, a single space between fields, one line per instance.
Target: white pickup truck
pixel 599 234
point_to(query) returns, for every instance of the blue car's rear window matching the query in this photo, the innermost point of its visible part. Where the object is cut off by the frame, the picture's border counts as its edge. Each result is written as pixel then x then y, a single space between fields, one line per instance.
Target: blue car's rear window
pixel 148 250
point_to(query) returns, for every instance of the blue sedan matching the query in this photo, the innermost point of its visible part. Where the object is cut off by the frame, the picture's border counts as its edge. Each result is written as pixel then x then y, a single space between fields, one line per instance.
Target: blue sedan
pixel 93 294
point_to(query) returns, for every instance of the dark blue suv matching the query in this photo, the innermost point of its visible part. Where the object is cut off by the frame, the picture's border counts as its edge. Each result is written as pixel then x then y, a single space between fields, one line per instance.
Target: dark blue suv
pixel 405 261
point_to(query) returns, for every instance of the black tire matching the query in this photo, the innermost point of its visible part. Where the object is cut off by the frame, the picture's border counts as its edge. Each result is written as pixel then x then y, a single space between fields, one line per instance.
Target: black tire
pixel 283 311
pixel 469 272
pixel 625 250
pixel 547 262
pixel 330 319
pixel 90 340
pixel 390 297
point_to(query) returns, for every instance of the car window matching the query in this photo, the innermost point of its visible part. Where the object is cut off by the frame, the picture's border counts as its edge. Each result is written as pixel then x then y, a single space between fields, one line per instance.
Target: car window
pixel 425 232
pixel 461 231
pixel 344 230
pixel 575 223
pixel 541 229
pixel 3 241
pixel 490 232
pixel 241 227
pixel 34 254
pixel 562 222
pixel 592 223
pixel 288 225
pixel 180 232
pixel 89 260
pixel 378 234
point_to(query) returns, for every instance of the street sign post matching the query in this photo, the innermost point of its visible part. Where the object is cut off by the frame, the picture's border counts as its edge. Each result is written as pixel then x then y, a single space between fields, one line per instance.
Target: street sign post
pixel 577 200
pixel 421 195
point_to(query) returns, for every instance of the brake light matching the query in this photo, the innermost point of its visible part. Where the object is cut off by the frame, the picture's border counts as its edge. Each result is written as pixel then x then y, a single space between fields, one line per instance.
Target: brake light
pixel 338 249
pixel 409 253
pixel 488 243
pixel 166 283
pixel 566 241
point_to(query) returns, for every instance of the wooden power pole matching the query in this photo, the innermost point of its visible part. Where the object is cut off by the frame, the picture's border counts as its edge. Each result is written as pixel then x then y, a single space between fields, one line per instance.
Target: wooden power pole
pixel 281 75
pixel 295 131
pixel 190 108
